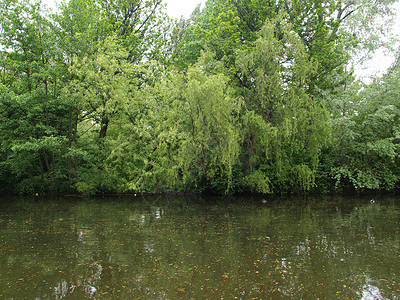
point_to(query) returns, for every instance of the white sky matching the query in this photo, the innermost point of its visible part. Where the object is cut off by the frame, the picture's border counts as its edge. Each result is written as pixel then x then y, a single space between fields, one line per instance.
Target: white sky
pixel 178 8
pixel 381 61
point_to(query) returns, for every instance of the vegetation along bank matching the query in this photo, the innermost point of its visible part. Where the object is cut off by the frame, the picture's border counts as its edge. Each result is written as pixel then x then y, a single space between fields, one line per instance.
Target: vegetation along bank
pixel 243 96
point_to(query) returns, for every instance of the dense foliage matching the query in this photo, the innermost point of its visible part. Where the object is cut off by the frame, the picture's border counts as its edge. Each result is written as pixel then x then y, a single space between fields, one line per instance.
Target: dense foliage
pixel 243 96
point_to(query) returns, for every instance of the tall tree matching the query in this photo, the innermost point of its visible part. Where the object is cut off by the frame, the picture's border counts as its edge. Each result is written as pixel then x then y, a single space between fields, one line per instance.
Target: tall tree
pixel 367 135
pixel 197 131
pixel 103 83
pixel 328 29
pixel 285 127
pixel 140 24
pixel 33 132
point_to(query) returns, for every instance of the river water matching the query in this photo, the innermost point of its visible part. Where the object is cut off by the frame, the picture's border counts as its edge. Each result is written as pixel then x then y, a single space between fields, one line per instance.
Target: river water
pixel 200 248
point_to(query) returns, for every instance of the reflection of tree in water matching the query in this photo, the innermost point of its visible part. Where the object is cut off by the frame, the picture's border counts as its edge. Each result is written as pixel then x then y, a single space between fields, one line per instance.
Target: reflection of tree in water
pixel 314 254
pixel 370 292
pixel 184 249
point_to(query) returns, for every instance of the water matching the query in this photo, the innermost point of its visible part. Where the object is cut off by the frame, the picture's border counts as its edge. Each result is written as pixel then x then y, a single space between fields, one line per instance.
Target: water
pixel 182 248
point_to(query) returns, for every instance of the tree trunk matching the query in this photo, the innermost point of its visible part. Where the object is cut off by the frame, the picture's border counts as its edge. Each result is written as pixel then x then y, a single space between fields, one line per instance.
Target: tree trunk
pixel 104 127
pixel 53 165
pixel 46 161
pixel 70 143
pixel 76 139
pixel 41 168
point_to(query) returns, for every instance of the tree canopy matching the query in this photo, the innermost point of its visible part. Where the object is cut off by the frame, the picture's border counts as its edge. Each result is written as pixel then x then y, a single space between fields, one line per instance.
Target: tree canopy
pixel 242 96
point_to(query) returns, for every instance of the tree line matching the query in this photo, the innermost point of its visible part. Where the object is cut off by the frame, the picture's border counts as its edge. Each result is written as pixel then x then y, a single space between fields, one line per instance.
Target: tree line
pixel 243 96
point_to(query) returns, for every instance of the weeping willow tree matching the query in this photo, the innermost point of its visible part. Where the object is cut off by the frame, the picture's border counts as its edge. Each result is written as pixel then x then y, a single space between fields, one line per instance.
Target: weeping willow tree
pixel 211 142
pixel 284 126
pixel 196 131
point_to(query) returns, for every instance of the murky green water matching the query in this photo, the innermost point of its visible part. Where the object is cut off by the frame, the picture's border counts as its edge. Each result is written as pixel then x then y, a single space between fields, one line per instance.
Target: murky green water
pixel 181 248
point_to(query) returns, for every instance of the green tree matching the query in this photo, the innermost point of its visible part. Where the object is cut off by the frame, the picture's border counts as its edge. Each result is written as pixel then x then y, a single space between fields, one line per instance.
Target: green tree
pixel 105 43
pixel 211 142
pixel 328 29
pixel 367 136
pixel 103 83
pixel 139 24
pixel 285 128
pixel 196 130
pixel 186 46
pixel 33 126
pixel 79 26
pixel 101 88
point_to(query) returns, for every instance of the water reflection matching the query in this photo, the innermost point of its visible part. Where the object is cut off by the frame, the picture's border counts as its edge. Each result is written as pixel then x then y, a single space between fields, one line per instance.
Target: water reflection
pixel 180 249
pixel 370 292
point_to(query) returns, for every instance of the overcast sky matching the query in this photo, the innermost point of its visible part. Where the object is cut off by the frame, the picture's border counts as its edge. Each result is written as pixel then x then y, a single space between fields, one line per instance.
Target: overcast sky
pixel 381 61
pixel 177 8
